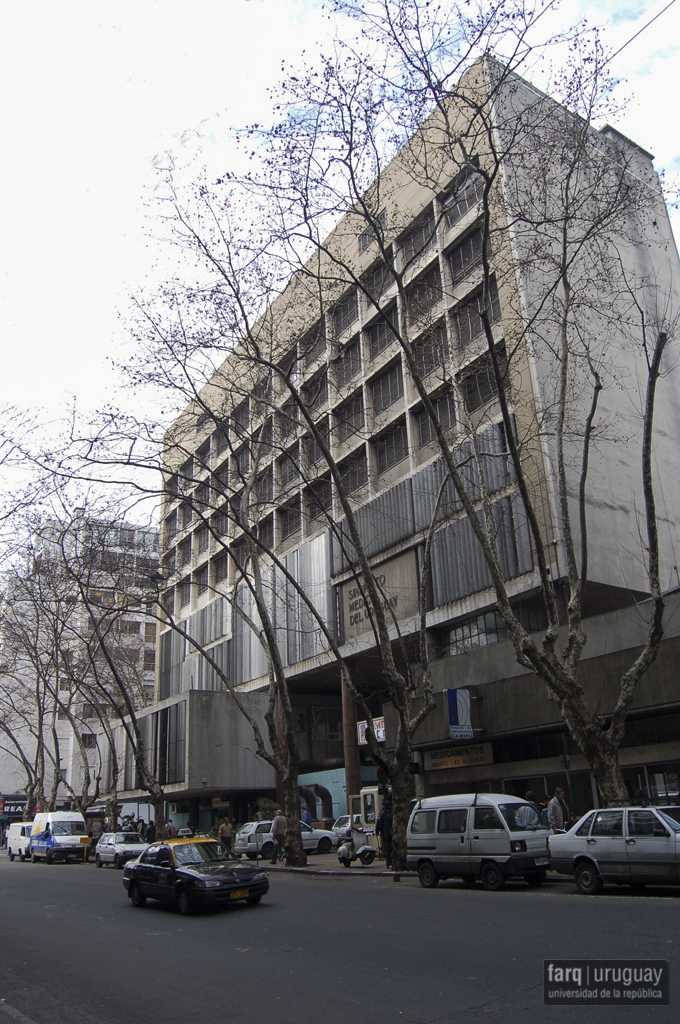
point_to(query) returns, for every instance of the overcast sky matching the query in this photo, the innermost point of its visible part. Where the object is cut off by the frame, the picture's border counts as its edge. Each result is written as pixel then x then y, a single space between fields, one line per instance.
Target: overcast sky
pixel 93 92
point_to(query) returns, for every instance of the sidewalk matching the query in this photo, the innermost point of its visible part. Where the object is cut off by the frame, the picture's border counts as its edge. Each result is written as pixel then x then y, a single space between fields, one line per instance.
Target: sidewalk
pixel 328 864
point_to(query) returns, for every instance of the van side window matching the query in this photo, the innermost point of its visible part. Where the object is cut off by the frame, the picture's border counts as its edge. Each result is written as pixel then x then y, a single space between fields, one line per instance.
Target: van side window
pixel 452 821
pixel 486 818
pixel 423 823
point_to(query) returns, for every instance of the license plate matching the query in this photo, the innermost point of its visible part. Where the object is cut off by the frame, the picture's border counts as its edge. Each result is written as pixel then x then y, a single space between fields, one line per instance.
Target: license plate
pixel 239 894
pixel 541 862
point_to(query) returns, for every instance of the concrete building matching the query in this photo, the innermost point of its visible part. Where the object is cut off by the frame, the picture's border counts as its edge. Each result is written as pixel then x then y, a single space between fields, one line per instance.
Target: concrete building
pixel 353 374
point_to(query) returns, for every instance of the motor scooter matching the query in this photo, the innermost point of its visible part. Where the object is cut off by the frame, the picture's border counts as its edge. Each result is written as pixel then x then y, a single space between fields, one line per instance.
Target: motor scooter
pixel 355 847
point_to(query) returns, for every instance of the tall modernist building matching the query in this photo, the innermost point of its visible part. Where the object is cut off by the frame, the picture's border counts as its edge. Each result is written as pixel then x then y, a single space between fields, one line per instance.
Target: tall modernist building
pixel 329 335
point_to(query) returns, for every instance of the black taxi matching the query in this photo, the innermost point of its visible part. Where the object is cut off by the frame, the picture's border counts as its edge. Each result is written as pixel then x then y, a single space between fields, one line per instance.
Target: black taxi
pixel 192 873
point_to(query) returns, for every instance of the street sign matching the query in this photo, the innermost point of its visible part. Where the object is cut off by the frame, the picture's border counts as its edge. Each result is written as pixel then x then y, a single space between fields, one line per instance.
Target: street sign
pixel 458 703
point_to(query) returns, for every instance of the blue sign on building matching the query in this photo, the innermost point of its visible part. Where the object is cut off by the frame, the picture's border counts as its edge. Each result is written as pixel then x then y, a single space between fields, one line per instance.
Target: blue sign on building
pixel 458 703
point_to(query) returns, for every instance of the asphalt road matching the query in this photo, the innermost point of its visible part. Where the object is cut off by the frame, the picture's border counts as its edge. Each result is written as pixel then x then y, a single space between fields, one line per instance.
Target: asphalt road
pixel 317 950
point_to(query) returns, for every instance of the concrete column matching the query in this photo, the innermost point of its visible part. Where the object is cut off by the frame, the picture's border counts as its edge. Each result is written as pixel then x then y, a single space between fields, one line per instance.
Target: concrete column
pixel 350 744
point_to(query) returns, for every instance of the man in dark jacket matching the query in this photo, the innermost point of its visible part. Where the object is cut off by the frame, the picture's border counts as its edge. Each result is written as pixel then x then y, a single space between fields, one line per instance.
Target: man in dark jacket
pixel 278 835
pixel 151 832
pixel 383 827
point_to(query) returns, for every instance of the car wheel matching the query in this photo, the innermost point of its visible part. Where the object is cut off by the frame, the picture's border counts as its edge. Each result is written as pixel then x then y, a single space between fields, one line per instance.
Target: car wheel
pixel 49 857
pixel 252 901
pixel 34 859
pixel 10 854
pixel 325 845
pixel 428 876
pixel 98 861
pixel 367 857
pixel 493 878
pixel 22 856
pixel 182 902
pixel 588 879
pixel 346 862
pixel 535 878
pixel 117 862
pixel 468 879
pixel 267 850
pixel 136 897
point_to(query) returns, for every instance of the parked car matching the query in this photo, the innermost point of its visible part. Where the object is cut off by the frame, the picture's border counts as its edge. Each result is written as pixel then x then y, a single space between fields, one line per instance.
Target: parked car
pixel 341 825
pixel 628 845
pixel 191 873
pixel 485 836
pixel 118 847
pixel 19 839
pixel 255 839
pixel 672 810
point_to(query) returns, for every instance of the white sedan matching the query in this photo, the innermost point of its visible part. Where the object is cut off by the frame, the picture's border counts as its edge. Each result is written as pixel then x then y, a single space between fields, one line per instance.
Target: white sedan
pixel 255 839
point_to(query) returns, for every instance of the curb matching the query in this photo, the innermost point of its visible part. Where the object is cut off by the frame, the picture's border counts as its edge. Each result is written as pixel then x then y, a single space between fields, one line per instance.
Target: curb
pixel 346 873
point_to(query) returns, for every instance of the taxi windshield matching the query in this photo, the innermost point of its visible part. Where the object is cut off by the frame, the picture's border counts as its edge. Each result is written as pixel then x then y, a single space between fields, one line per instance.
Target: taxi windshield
pixel 523 818
pixel 68 828
pixel 199 853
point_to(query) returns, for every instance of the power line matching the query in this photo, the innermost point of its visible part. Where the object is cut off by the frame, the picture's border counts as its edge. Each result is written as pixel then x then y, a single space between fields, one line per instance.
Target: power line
pixel 650 22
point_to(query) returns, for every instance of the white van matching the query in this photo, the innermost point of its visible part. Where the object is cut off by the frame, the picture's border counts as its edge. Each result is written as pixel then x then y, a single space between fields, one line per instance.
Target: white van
pixel 19 839
pixel 487 836
pixel 57 835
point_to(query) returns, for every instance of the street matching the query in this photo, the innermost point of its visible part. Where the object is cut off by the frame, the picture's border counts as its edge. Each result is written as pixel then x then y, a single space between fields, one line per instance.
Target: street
pixel 317 949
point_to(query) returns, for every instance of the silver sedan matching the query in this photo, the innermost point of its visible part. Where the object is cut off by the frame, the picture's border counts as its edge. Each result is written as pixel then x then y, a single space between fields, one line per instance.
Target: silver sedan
pixel 118 847
pixel 632 846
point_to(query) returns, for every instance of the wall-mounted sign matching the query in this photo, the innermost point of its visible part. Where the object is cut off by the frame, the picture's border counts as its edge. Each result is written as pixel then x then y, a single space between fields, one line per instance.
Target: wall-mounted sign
pixel 378 728
pixel 458 703
pixel 397 582
pixel 459 757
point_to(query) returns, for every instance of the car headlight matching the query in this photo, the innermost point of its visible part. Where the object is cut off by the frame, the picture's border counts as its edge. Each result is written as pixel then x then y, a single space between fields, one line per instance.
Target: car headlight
pixel 208 883
pixel 519 846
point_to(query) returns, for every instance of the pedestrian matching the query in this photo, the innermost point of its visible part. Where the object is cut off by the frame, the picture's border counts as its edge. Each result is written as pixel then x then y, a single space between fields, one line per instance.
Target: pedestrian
pixel 307 817
pixel 4 836
pixel 170 829
pixel 278 835
pixel 226 834
pixel 558 812
pixel 383 828
pixel 151 832
pixel 141 828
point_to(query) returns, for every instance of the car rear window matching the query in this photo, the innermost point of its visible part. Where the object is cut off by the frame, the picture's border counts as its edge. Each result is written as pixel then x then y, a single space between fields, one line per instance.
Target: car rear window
pixel 584 828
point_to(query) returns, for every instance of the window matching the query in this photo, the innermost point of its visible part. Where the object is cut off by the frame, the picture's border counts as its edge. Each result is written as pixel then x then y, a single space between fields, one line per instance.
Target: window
pixel 240 418
pixel 354 472
pixel 288 417
pixel 387 388
pixel 89 740
pixel 312 447
pixel 150 631
pixel 127 626
pixel 202 539
pixel 444 408
pixel 203 454
pixel 368 236
pixel 486 818
pixel 345 313
pixel 350 416
pixel 201 579
pixel 382 334
pixel 452 821
pixel 221 440
pixel 645 823
pixel 171 526
pixel 186 514
pixel 466 194
pixel 489 628
pixel 347 364
pixel 202 497
pixel 376 281
pixel 266 533
pixel 419 238
pixel 315 392
pixel 313 344
pixel 240 463
pixel 466 256
pixel 221 522
pixel 169 601
pixel 608 823
pixel 220 568
pixel 172 485
pixel 184 551
pixel 186 475
pixel 391 447
pixel 468 315
pixel 425 293
pixel 318 498
pixel 88 711
pixel 584 829
pixel 289 470
pixel 423 823
pixel 479 384
pixel 287 367
pixel 184 593
pixel 265 485
pixel 431 350
pixel 261 397
pixel 289 519
pixel 149 661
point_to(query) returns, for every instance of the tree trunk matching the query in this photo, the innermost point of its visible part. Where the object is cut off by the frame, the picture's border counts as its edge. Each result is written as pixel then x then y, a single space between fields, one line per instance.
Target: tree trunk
pixel 400 782
pixel 608 775
pixel 295 854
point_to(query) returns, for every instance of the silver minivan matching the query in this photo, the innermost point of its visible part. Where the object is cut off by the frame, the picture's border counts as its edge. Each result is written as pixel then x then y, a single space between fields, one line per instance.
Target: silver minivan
pixel 477 836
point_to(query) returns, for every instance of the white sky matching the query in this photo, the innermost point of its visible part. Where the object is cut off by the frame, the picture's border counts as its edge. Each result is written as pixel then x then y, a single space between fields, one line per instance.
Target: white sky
pixel 92 92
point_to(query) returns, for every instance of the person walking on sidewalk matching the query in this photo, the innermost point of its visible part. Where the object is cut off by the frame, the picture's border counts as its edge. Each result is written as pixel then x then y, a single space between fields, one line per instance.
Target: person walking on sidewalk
pixel 383 828
pixel 226 834
pixel 558 812
pixel 278 835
